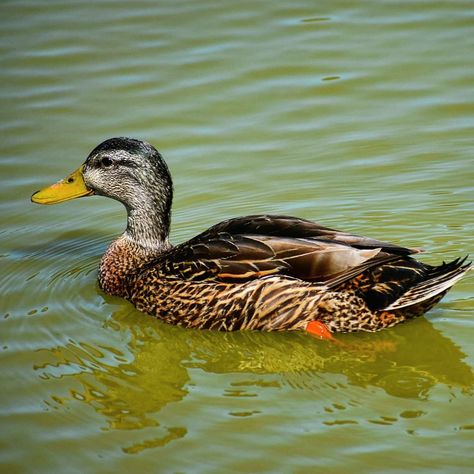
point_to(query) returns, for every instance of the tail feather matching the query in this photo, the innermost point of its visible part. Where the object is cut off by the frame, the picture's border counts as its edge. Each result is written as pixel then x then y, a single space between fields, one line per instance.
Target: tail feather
pixel 439 280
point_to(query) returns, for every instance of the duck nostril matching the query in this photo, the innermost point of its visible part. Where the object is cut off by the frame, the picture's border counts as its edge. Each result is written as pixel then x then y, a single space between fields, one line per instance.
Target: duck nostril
pixel 70 180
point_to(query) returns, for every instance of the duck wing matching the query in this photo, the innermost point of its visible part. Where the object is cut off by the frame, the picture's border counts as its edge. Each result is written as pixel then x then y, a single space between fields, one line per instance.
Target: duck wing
pixel 253 247
pixel 287 226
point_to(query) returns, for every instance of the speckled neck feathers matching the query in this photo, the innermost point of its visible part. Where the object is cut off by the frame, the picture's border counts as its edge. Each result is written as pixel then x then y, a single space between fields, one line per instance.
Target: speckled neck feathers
pixel 121 264
pixel 146 237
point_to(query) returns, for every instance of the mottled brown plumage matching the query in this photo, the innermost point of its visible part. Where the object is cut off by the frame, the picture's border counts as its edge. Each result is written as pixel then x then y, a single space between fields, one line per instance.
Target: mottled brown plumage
pixel 255 272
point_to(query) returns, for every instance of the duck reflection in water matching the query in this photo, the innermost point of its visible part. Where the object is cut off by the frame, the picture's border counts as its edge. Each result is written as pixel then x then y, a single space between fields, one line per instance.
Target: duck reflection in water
pixel 160 361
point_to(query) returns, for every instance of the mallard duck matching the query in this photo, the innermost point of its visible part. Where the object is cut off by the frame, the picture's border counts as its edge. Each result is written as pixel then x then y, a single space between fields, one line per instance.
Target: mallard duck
pixel 261 272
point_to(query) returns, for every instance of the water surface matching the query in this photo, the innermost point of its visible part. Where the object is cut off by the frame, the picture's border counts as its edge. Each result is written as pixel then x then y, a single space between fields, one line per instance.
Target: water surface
pixel 359 116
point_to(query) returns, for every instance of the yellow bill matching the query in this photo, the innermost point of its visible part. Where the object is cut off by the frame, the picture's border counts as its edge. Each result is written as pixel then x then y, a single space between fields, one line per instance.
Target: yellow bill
pixel 71 187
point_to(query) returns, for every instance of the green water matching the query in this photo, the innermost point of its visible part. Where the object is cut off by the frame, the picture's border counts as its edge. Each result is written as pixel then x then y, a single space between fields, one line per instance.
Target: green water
pixel 359 115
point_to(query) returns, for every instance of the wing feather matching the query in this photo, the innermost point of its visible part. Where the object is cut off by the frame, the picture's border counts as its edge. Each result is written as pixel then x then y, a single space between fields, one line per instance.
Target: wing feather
pixel 256 246
pixel 287 226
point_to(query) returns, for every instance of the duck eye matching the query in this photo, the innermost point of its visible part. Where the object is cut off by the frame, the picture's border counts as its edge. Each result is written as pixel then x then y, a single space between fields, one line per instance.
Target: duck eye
pixel 106 162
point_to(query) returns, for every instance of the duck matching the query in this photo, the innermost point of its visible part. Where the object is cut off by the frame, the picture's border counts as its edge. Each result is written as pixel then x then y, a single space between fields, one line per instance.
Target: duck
pixel 257 272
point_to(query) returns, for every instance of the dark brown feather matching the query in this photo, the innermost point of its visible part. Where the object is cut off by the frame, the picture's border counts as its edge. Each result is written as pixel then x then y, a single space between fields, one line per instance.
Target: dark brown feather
pixel 245 257
pixel 287 226
pixel 250 247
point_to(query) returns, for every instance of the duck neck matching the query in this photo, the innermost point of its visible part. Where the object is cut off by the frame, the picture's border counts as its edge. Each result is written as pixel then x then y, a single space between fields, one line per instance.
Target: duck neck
pixel 148 224
pixel 145 238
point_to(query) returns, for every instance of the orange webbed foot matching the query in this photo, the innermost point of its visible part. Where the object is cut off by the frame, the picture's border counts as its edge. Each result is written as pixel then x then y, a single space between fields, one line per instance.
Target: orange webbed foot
pixel 319 330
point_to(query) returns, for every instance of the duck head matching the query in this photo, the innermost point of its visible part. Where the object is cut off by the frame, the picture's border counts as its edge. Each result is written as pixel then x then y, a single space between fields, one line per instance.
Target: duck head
pixel 130 171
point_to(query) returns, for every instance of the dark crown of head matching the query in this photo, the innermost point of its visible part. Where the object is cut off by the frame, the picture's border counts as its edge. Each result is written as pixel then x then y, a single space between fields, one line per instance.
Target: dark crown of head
pixel 130 145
